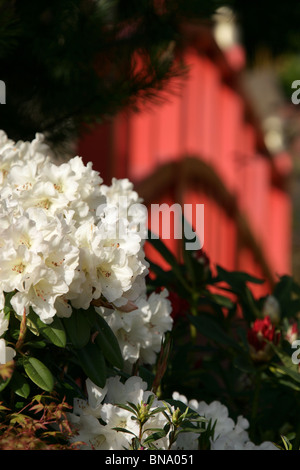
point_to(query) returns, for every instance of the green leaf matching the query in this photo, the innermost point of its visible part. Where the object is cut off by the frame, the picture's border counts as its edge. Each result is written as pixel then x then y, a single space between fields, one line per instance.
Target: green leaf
pixel 169 258
pixel 8 297
pixel 31 325
pixel 158 244
pixel 4 383
pixel 287 368
pixel 150 400
pixel 93 364
pixel 286 359
pixel 133 406
pixel 54 332
pixel 186 428
pixel 211 329
pixel 278 369
pixel 108 343
pixel 236 278
pixel 155 436
pixel 288 383
pixel 157 410
pixel 291 307
pixel 283 289
pixel 127 408
pixel 20 385
pixel 165 277
pixel 183 409
pixel 38 373
pixel 78 329
pixel 238 284
pixel 287 444
pixel 124 430
pixel 221 300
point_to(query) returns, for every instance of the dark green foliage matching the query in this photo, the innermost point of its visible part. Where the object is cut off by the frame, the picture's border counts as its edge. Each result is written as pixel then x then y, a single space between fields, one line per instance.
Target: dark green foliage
pixel 52 357
pixel 211 355
pixel 68 62
pixel 74 61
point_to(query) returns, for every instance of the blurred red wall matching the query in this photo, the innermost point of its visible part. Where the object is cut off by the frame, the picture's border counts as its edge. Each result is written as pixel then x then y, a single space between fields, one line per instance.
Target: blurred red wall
pixel 203 145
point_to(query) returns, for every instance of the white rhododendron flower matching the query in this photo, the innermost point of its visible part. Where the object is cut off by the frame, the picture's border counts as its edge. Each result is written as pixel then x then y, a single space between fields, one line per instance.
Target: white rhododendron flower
pixel 228 435
pixel 3 319
pixel 140 332
pixel 6 352
pixel 96 418
pixel 66 239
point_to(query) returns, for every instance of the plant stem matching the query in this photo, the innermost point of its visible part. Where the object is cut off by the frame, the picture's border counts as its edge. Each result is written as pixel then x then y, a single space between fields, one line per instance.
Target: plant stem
pixel 194 312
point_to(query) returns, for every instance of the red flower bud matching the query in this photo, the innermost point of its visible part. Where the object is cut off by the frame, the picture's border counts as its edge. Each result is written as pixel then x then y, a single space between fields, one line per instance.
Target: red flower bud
pixel 260 335
pixel 202 258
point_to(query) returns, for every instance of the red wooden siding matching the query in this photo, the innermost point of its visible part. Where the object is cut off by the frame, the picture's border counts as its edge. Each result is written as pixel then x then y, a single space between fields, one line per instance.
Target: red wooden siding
pixel 208 121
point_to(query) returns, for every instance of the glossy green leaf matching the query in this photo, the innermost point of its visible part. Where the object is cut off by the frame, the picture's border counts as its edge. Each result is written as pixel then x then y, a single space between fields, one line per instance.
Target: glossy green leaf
pixel 123 430
pixel 278 369
pixel 159 245
pixel 221 300
pixel 78 329
pixel 54 332
pixel 8 297
pixel 159 434
pixel 38 373
pixel 4 383
pixel 164 251
pixel 20 385
pixel 287 444
pixel 93 364
pixel 108 343
pixel 237 278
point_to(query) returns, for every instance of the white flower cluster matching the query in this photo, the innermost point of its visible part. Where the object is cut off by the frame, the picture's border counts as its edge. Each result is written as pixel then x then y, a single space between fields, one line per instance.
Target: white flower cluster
pixel 139 332
pixel 102 407
pixel 96 418
pixel 228 435
pixel 65 237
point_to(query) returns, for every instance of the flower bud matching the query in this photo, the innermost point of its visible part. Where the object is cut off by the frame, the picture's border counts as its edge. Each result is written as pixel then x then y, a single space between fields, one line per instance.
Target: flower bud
pixel 260 335
pixel 143 412
pixel 176 416
pixel 292 333
pixel 271 309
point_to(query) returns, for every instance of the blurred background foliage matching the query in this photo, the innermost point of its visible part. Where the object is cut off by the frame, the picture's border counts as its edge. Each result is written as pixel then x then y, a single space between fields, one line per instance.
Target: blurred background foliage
pixel 73 61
